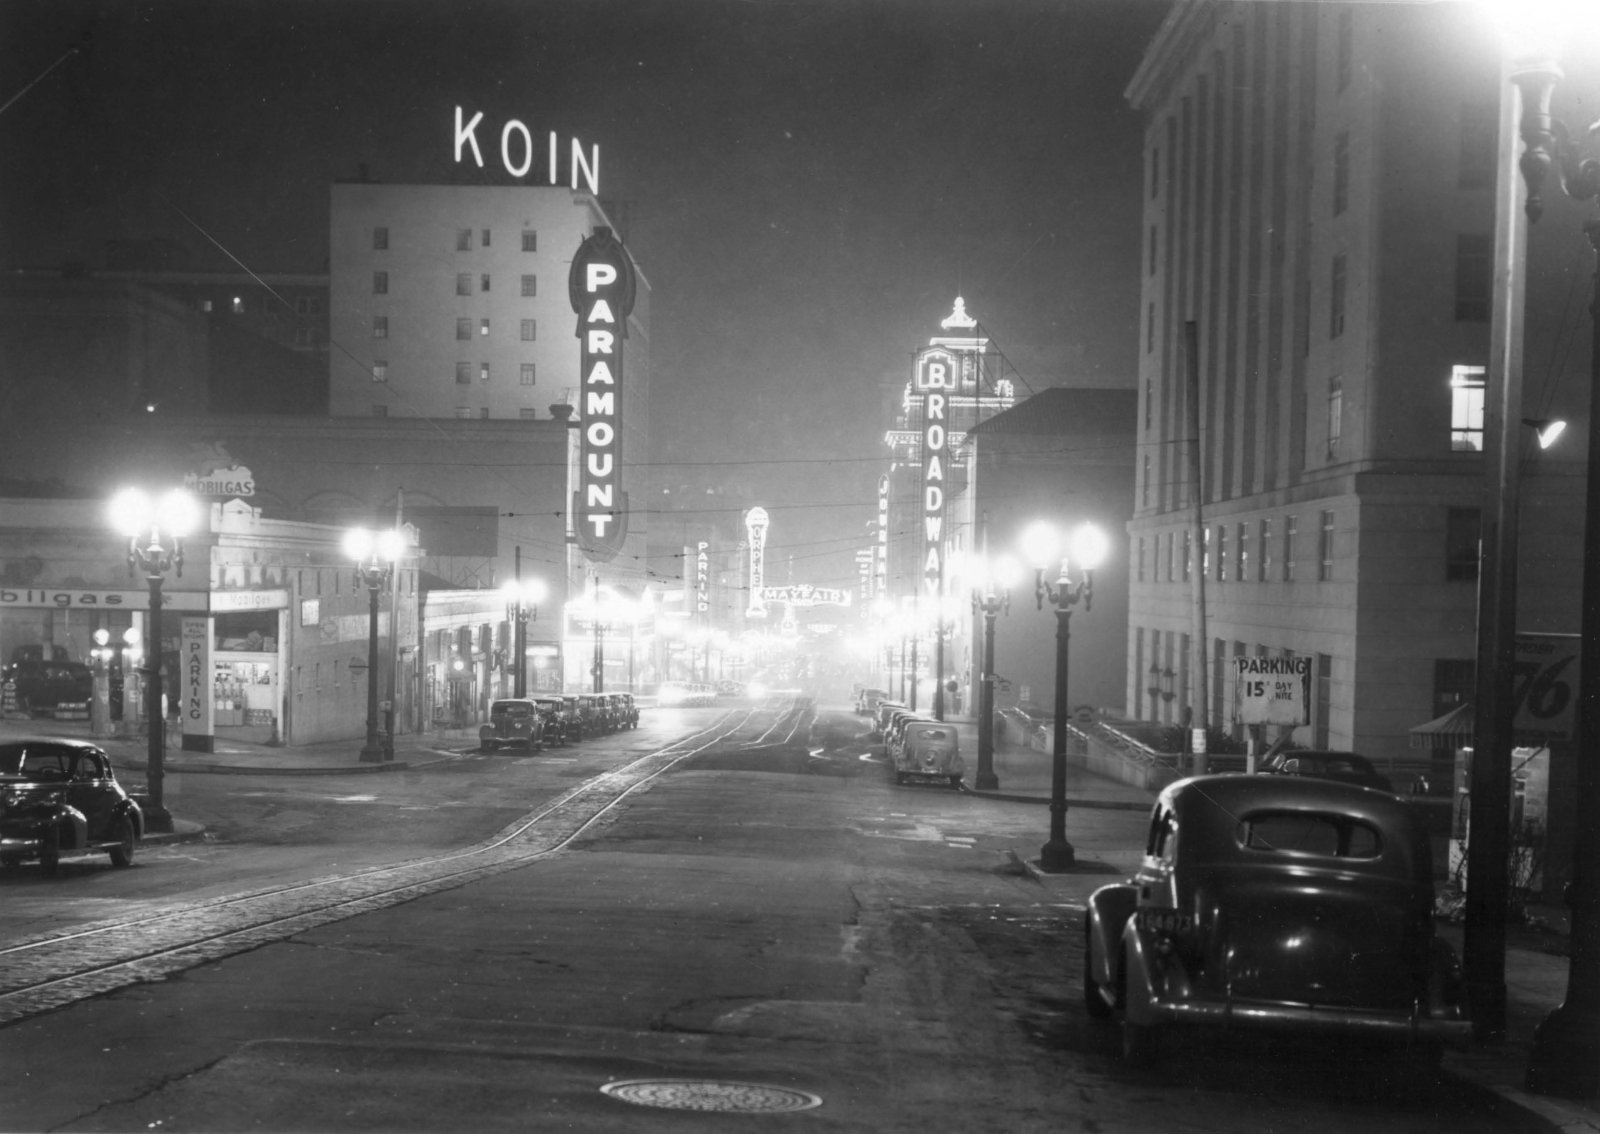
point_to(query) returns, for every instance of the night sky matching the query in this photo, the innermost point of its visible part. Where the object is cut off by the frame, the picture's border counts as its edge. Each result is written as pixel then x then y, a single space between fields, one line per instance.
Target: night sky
pixel 807 185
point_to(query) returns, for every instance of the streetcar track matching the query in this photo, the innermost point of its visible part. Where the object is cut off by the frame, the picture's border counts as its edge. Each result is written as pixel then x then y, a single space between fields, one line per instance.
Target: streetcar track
pixel 52 970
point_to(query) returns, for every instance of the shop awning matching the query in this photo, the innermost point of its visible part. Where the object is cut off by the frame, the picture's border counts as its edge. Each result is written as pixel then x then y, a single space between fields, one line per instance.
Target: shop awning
pixel 1454 730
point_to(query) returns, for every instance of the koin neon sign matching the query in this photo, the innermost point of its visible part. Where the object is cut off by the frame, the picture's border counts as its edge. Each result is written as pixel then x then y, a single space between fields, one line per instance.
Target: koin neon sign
pixel 600 287
pixel 517 150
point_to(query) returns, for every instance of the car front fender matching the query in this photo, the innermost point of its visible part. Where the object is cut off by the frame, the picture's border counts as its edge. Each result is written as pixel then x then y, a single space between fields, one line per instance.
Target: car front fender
pixel 1107 911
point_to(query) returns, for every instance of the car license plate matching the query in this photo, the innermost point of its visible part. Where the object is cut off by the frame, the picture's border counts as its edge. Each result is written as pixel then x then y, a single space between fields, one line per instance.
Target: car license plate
pixel 1163 921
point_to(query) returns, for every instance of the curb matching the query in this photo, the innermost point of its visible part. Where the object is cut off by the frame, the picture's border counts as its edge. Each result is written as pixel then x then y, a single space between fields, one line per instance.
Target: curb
pixel 1100 804
pixel 174 768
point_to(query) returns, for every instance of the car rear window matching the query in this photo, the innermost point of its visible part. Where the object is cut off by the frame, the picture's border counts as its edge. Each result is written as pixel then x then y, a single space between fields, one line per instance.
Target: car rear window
pixel 932 733
pixel 511 708
pixel 1298 832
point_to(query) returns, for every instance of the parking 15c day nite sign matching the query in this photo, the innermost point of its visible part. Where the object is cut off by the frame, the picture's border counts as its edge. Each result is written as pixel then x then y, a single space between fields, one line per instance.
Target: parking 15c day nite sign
pixel 601 289
pixel 1272 690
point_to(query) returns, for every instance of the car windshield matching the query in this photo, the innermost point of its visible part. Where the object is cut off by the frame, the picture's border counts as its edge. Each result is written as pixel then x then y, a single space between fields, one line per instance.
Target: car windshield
pixel 511 708
pixel 1328 836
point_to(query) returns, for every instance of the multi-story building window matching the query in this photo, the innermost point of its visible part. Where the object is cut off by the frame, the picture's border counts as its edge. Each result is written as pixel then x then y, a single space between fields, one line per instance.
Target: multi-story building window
pixel 463 240
pixel 1188 554
pixel 1149 402
pixel 1291 528
pixel 1474 277
pixel 1336 298
pixel 1172 557
pixel 483 282
pixel 483 328
pixel 1325 548
pixel 1461 543
pixel 1341 172
pixel 1466 408
pixel 380 371
pixel 380 239
pixel 1222 553
pixel 1144 483
pixel 1150 327
pixel 483 411
pixel 1154 242
pixel 1480 129
pixel 1264 546
pixel 380 283
pixel 525 375
pixel 380 326
pixel 463 373
pixel 530 240
pixel 1335 415
pixel 530 330
pixel 485 239
pixel 464 411
pixel 1155 172
pixel 483 371
pixel 463 330
pixel 530 286
pixel 1243 540
pixel 527 413
pixel 1139 561
pixel 1205 552
pixel 464 283
pixel 1344 60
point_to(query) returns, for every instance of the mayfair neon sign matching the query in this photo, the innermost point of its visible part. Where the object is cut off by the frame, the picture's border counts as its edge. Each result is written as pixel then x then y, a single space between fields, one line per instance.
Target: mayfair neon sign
pixel 601 288
pixel 517 152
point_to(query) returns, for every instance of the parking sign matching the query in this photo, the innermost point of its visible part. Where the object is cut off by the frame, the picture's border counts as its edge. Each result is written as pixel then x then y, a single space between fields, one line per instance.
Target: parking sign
pixel 1272 690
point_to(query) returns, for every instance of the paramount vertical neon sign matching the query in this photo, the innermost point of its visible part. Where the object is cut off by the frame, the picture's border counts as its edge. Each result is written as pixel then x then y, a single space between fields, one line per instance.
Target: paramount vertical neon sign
pixel 600 287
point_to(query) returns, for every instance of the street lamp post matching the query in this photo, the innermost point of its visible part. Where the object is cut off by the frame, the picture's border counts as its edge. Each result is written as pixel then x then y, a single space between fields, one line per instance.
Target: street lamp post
pixel 989 603
pixel 522 603
pixel 155 531
pixel 374 556
pixel 1041 548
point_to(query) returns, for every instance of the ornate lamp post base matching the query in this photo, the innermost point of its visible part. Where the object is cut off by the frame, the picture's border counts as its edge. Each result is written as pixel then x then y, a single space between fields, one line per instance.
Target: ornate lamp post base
pixel 373 754
pixel 1056 857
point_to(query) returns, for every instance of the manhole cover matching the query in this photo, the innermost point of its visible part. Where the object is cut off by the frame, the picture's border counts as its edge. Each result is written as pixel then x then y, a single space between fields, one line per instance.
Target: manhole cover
pixel 696 1094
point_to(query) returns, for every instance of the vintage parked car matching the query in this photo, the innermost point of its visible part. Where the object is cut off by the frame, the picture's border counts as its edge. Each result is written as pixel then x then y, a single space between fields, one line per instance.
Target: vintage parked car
pixel 595 714
pixel 626 710
pixel 867 701
pixel 881 715
pixel 40 684
pixel 60 797
pixel 1346 767
pixel 1276 903
pixel 513 721
pixel 560 725
pixel 926 749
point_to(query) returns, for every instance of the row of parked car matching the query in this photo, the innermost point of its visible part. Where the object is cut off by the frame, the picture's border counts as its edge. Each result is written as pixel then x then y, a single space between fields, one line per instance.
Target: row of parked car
pixel 918 747
pixel 530 723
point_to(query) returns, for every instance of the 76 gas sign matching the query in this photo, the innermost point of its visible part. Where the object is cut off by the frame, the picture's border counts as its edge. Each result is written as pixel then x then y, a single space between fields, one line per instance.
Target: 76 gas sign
pixel 1544 688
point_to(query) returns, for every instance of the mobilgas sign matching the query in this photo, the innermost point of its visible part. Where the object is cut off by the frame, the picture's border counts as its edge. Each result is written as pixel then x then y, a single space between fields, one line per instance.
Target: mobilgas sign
pixel 601 287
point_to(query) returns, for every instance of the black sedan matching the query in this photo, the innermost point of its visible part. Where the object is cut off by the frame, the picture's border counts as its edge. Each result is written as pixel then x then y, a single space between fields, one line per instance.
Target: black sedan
pixel 60 797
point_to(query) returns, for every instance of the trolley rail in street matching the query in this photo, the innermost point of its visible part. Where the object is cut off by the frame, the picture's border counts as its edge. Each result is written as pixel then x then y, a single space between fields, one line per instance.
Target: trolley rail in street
pixel 53 970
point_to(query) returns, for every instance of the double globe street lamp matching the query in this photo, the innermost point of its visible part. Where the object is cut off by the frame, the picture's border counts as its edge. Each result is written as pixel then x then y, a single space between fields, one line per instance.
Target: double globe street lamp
pixel 155 529
pixel 1085 549
pixel 991 594
pixel 523 597
pixel 374 555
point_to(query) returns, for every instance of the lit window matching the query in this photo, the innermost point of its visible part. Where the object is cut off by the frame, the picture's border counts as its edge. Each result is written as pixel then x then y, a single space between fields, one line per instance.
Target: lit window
pixel 237 306
pixel 206 305
pixel 1335 416
pixel 1466 408
pixel 1243 533
pixel 483 372
pixel 380 326
pixel 1325 548
pixel 380 371
pixel 1291 528
pixel 483 328
pixel 464 411
pixel 1264 560
pixel 1222 553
